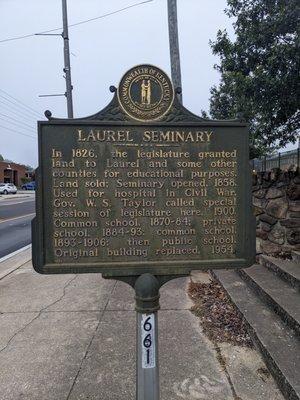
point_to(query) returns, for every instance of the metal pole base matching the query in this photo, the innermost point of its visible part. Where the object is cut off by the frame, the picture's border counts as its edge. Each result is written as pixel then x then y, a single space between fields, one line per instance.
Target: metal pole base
pixel 147 387
pixel 147 305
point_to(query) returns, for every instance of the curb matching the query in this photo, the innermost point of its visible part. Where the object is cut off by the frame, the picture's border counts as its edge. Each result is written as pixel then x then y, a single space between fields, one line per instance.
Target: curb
pixel 6 261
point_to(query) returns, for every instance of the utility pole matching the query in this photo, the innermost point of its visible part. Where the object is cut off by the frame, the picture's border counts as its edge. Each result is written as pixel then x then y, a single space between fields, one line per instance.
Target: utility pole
pixel 67 64
pixel 174 46
pixel 67 68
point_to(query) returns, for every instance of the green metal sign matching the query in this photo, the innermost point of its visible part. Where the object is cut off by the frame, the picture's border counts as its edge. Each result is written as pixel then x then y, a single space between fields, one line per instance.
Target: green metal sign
pixel 143 186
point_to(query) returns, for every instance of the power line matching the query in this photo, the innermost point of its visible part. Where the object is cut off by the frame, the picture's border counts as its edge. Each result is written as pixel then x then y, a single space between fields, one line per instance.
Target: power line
pixel 16 111
pixel 17 105
pixel 18 133
pixel 78 23
pixel 18 124
pixel 19 101
pixel 17 120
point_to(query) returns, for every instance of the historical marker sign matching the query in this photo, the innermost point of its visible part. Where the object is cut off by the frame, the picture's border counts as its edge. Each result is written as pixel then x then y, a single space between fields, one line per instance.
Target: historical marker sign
pixel 142 186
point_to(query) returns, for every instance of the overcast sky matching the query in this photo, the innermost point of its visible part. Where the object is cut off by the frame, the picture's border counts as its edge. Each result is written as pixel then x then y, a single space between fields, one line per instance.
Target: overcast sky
pixel 102 51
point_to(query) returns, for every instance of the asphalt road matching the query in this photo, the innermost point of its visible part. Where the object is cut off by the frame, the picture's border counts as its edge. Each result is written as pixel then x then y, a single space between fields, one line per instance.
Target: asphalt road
pixel 15 224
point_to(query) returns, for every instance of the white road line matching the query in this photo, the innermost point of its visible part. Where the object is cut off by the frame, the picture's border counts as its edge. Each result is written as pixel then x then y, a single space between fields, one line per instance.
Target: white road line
pixel 12 204
pixel 13 219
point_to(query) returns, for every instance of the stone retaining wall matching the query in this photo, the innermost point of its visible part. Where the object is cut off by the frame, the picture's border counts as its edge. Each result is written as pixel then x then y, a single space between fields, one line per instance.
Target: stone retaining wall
pixel 276 204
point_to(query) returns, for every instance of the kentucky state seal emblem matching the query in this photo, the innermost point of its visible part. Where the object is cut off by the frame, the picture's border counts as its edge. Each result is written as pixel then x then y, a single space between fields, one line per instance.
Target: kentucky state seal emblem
pixel 145 93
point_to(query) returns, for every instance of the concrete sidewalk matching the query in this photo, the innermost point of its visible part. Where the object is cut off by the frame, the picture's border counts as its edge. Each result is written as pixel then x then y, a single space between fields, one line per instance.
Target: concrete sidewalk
pixel 72 337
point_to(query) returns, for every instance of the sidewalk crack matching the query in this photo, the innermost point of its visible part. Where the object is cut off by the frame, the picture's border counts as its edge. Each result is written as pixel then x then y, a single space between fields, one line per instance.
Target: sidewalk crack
pixel 92 338
pixel 38 315
pixel 62 296
pixel 14 270
pixel 19 331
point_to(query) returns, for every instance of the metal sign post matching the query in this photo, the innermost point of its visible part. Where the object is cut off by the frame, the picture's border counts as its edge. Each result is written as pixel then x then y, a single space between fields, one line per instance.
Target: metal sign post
pixel 147 369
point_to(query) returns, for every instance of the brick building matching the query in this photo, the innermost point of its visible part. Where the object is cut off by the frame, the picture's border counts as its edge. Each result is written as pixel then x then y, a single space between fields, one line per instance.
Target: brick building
pixel 12 172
